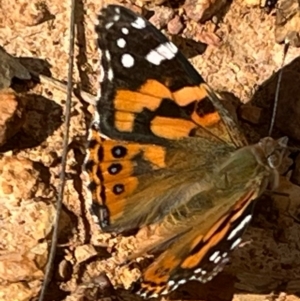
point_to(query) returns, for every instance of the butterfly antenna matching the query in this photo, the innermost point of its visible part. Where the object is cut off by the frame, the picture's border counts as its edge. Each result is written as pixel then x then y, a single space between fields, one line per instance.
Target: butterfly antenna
pixel 285 50
pixel 60 193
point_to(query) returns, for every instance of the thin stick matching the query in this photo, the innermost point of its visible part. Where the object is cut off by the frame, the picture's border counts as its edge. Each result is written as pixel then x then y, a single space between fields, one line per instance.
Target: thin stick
pixel 285 50
pixel 59 199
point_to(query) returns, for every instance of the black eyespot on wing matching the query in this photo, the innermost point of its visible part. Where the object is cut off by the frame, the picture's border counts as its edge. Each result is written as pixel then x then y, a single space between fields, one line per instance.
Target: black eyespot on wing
pixel 115 168
pixel 119 151
pixel 118 189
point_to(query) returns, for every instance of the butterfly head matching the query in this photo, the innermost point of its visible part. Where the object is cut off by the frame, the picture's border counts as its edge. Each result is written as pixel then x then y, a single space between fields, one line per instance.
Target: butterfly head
pixel 271 156
pixel 273 150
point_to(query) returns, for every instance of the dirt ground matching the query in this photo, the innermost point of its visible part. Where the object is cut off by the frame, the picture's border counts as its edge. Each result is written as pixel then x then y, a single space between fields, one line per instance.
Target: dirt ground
pixel 240 58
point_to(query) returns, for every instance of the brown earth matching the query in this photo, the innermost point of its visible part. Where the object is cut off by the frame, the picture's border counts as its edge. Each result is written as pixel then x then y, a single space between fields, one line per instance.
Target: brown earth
pixel 241 60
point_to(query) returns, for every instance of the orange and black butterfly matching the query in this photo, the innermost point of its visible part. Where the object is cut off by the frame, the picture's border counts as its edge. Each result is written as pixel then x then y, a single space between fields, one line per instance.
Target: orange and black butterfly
pixel 165 153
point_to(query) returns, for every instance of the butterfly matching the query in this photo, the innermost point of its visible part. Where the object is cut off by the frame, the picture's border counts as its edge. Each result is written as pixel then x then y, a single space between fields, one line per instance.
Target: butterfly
pixel 163 152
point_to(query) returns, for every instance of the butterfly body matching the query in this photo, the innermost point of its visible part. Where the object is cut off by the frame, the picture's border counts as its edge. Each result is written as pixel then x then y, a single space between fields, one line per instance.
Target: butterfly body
pixel 165 154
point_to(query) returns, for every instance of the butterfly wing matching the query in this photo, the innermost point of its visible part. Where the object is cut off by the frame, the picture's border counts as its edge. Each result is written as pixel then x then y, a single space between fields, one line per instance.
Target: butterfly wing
pixel 149 91
pixel 197 254
pixel 163 119
pixel 208 228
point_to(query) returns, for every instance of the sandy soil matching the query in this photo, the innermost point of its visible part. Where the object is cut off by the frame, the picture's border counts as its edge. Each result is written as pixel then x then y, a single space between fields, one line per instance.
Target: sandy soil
pixel 241 61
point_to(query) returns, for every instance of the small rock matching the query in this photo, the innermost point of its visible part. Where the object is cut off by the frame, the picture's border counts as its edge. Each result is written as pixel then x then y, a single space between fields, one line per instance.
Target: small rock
pixel 11 67
pixel 12 115
pixel 202 10
pixel 31 14
pixel 209 38
pixel 84 252
pixel 251 113
pixel 287 26
pixel 175 25
pixel 21 179
pixel 20 291
pixel 98 288
pixel 15 267
pixel 162 16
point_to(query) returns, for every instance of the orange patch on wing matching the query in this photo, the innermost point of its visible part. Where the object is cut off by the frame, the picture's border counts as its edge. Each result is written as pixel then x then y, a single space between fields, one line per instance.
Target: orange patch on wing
pixel 244 200
pixel 125 171
pixel 156 155
pixel 124 121
pixel 132 150
pixel 242 205
pixel 207 120
pixel 171 128
pixel 130 101
pixel 194 260
pixel 159 271
pixel 152 153
pixel 116 202
pixel 155 88
pixel 195 242
pixel 187 95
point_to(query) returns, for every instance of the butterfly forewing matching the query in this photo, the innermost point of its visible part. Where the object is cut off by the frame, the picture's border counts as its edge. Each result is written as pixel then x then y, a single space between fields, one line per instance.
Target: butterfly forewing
pixel 150 93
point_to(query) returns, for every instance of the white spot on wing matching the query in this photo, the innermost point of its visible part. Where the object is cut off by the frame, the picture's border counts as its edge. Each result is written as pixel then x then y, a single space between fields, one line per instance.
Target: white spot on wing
pixel 209 278
pixel 110 74
pixel 236 243
pixel 197 271
pixel 182 281
pixel 166 50
pixel 139 23
pixel 171 282
pixel 125 30
pixel 239 227
pixel 164 292
pixel 117 10
pixel 109 25
pixel 214 256
pixel 101 75
pixel 154 58
pixel 107 55
pixel 127 60
pixel 143 295
pixel 217 259
pixel 116 18
pixel 121 43
pixel 172 47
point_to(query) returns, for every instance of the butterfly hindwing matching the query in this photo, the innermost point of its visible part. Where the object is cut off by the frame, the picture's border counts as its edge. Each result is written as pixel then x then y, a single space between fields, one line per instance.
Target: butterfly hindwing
pixel 198 255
